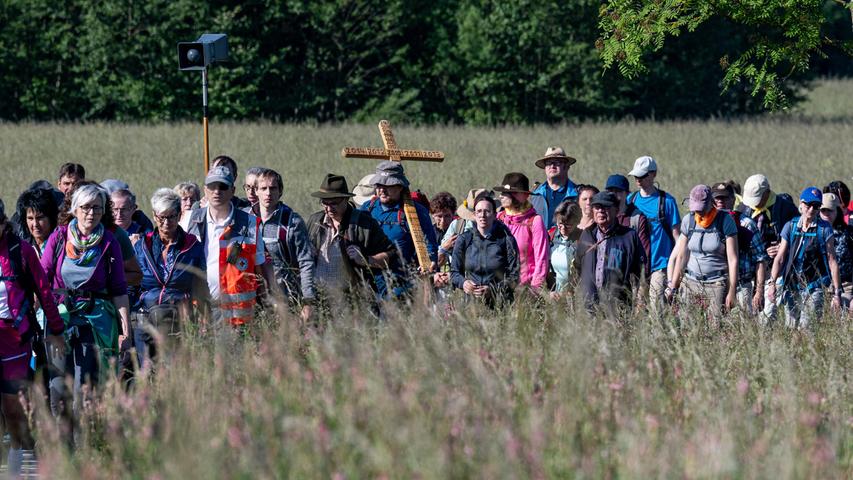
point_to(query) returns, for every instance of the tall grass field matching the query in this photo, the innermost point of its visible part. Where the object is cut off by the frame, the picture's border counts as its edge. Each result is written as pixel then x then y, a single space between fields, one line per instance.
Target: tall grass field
pixel 540 390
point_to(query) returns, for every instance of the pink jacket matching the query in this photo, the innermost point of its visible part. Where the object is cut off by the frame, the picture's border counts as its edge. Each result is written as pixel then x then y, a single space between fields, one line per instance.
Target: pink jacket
pixel 533 245
pixel 15 290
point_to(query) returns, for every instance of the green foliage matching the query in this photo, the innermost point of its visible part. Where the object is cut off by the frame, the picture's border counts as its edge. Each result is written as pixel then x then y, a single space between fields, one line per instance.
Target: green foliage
pixel 457 61
pixel 782 38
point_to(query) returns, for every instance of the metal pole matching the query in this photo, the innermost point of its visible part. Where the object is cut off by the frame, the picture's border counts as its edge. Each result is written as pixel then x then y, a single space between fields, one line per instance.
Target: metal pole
pixel 205 120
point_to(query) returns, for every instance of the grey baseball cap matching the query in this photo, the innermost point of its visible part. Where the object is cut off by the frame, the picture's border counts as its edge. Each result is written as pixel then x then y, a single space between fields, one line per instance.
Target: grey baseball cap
pixel 219 174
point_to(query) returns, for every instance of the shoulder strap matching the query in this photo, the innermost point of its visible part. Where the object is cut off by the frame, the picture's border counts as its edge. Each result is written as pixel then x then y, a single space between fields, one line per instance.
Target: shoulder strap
pixel 630 199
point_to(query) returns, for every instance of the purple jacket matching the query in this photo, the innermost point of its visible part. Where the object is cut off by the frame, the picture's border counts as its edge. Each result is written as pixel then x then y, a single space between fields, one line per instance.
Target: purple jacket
pixel 108 273
pixel 17 295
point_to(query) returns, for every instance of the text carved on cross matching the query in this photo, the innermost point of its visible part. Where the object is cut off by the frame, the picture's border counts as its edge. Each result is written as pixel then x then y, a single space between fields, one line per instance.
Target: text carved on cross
pixel 395 154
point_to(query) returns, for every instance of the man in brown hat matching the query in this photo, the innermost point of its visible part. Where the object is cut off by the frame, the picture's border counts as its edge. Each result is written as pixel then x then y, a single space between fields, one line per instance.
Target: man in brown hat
pixel 557 186
pixel 350 245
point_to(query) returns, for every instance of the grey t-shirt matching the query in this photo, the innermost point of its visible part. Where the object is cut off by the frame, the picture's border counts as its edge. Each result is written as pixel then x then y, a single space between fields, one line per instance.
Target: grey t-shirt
pixel 707 251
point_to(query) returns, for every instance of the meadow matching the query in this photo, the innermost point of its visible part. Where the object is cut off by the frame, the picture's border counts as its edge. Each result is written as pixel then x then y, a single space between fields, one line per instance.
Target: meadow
pixel 540 390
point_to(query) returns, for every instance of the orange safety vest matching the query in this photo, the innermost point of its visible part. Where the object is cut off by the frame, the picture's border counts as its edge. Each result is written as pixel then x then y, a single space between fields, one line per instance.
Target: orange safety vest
pixel 238 283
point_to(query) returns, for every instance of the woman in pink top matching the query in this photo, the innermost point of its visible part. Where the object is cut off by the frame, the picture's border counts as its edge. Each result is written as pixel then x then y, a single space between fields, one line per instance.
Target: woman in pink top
pixel 527 227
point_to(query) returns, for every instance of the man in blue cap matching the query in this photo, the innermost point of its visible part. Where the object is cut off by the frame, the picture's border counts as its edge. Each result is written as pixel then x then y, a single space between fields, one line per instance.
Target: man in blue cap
pixel 630 216
pixel 557 185
pixel 805 263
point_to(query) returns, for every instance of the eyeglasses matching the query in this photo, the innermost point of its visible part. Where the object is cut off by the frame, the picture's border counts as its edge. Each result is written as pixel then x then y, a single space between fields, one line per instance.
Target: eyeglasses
pixel 643 177
pixel 551 163
pixel 166 218
pixel 812 205
pixel 96 209
pixel 122 211
pixel 250 188
pixel 330 203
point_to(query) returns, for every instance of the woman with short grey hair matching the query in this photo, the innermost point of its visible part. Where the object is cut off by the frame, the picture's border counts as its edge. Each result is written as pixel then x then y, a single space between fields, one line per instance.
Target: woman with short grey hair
pixel 170 259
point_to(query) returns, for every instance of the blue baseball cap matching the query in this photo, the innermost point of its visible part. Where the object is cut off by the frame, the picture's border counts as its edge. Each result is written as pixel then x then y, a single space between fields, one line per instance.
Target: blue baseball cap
pixel 618 182
pixel 811 195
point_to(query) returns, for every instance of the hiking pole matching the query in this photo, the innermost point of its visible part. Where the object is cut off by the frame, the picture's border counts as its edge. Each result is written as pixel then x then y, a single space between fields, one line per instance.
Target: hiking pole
pixel 207 49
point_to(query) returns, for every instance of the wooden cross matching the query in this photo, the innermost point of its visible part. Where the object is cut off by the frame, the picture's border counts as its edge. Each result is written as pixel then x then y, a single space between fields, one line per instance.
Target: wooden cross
pixel 395 154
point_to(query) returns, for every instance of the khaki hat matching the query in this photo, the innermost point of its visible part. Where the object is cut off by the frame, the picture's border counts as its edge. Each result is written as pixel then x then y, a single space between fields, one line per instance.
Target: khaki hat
pixel 365 190
pixel 830 202
pixel 754 189
pixel 466 209
pixel 556 153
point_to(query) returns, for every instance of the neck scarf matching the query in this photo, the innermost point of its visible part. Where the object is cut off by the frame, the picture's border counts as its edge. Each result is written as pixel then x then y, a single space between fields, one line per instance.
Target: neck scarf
pixel 521 209
pixel 83 250
pixel 706 220
pixel 771 199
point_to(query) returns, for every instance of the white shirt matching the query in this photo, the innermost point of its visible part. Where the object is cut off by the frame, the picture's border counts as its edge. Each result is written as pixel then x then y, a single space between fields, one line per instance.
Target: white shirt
pixel 211 248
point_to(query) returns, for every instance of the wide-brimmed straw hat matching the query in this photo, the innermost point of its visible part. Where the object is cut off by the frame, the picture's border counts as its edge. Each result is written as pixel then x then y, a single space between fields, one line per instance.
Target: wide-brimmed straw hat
pixel 333 186
pixel 466 209
pixel 556 153
pixel 514 182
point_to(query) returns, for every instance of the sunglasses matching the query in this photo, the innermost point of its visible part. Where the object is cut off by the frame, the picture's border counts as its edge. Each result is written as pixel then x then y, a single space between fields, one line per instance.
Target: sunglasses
pixel 812 205
pixel 643 177
pixel 217 186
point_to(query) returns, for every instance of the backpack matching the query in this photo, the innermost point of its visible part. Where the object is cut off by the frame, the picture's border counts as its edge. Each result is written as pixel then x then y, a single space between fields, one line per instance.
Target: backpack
pixel 800 252
pixel 744 235
pixel 401 216
pixel 667 228
pixel 19 274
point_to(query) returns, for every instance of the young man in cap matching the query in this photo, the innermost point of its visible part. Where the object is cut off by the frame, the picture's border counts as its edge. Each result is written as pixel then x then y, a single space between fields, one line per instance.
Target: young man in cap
pixel 631 216
pixel 234 251
pixel 351 246
pixel 286 242
pixel 752 257
pixel 661 209
pixel 805 263
pixel 771 212
pixel 387 209
pixel 609 257
pixel 557 186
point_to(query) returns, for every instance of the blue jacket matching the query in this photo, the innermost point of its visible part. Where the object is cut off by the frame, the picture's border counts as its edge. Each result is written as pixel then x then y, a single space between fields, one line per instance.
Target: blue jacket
pixel 396 228
pixel 171 280
pixel 539 200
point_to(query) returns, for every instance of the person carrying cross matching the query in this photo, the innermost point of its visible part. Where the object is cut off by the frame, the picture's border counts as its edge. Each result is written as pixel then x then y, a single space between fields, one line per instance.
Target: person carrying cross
pixel 386 207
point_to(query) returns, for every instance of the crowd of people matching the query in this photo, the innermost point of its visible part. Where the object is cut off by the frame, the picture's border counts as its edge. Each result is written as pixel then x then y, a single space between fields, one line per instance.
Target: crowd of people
pixel 90 281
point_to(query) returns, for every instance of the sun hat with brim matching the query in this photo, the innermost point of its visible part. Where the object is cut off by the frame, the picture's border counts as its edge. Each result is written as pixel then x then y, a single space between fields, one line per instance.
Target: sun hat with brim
pixel 364 191
pixel 333 186
pixel 643 165
pixel 811 195
pixel 604 199
pixel 219 174
pixel 830 202
pixel 465 211
pixel 556 153
pixel 722 189
pixel 389 173
pixel 700 198
pixel 754 189
pixel 514 183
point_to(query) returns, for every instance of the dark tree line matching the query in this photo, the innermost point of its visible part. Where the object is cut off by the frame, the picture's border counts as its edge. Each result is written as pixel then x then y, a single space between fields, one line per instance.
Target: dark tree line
pixel 460 61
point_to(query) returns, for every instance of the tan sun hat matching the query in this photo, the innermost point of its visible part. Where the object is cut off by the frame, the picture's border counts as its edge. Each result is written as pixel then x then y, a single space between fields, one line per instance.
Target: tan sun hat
pixel 466 209
pixel 753 190
pixel 365 190
pixel 556 153
pixel 830 202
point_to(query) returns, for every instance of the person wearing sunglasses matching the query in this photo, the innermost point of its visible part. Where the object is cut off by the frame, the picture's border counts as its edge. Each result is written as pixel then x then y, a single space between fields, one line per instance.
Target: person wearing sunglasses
pixel 806 263
pixel 170 259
